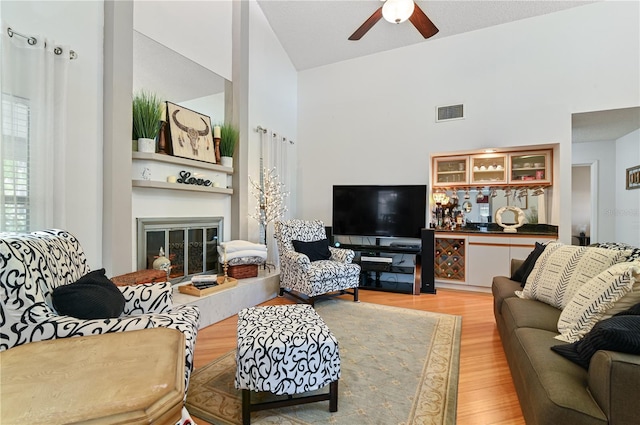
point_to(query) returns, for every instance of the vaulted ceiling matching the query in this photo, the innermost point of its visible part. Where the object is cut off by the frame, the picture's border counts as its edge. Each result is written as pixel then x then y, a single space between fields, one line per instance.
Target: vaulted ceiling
pixel 316 32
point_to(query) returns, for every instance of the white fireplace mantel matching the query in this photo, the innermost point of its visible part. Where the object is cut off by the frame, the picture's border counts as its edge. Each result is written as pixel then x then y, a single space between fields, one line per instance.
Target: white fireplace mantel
pixel 160 166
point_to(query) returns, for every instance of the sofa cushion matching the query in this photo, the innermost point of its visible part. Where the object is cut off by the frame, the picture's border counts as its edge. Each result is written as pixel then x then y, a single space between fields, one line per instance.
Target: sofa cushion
pixel 523 272
pixel 502 287
pixel 315 250
pixel 519 313
pixel 552 389
pixel 619 333
pixel 93 296
pixel 592 300
pixel 562 269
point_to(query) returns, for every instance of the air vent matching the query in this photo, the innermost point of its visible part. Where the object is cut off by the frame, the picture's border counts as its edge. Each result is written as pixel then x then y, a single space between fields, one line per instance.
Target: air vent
pixel 451 112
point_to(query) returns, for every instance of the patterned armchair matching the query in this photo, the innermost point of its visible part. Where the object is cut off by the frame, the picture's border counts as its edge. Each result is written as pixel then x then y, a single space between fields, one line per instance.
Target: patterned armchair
pixel 307 280
pixel 32 265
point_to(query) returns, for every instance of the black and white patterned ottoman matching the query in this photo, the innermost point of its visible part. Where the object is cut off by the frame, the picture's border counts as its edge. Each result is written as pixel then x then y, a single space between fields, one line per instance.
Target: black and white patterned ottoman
pixel 285 350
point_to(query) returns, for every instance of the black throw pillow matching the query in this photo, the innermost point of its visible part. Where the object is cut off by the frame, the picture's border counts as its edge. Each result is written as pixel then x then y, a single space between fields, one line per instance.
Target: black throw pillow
pixel 93 296
pixel 618 333
pixel 633 311
pixel 526 267
pixel 316 250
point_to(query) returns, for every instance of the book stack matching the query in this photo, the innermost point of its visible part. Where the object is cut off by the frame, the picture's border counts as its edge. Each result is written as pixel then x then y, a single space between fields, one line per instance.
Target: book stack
pixel 204 281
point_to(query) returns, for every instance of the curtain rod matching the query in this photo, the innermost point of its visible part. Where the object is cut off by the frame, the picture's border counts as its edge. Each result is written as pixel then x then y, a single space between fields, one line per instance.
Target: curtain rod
pixel 33 41
pixel 261 129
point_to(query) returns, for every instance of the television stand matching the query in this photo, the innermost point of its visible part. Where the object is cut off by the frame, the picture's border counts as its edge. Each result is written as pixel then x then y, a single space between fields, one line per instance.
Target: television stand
pixel 380 272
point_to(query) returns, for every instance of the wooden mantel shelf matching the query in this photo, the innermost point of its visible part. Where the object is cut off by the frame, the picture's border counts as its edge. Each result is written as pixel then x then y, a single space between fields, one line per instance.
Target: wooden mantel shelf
pixel 174 160
pixel 181 161
pixel 179 186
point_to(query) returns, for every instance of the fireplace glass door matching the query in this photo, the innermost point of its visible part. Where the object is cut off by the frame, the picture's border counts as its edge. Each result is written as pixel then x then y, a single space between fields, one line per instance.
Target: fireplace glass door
pixel 190 244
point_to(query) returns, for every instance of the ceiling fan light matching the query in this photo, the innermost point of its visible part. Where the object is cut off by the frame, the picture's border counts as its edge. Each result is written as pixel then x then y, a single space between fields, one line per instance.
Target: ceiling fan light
pixel 397 11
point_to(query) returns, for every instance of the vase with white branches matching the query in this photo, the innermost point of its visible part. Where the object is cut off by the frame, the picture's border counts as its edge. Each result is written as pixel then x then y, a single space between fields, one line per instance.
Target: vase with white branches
pixel 270 193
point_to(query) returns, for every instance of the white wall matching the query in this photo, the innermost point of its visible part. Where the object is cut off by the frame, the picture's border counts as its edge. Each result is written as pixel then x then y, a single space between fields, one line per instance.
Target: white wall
pixel 79 25
pixel 272 84
pixel 371 119
pixel 627 211
pixel 212 106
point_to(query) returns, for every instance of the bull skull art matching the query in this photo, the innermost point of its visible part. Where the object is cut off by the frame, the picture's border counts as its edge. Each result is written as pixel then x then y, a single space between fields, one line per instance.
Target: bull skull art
pixel 192 133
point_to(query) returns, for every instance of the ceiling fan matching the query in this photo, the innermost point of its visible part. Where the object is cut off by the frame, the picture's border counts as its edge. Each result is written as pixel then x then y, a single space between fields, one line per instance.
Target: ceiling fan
pixel 397 11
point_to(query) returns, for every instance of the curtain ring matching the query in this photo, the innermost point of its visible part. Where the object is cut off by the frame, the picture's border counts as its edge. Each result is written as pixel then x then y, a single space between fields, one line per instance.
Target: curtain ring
pixel 31 40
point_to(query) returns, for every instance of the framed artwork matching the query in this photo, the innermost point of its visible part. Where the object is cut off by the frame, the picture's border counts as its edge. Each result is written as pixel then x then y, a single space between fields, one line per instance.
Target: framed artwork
pixel 190 134
pixel 633 177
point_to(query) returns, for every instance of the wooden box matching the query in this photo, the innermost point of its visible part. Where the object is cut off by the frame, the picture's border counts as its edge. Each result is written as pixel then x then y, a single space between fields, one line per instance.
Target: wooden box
pixel 189 289
pixel 243 271
pixel 141 276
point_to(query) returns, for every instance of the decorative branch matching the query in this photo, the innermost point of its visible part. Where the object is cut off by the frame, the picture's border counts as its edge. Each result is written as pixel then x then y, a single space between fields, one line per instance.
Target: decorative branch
pixel 269 192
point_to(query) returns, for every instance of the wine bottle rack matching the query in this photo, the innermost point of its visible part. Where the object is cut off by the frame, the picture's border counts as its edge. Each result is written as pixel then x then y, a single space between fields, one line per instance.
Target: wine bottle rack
pixel 450 259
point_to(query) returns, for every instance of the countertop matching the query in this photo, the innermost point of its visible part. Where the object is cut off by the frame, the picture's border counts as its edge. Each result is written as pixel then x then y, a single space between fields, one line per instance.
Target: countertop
pixel 494 229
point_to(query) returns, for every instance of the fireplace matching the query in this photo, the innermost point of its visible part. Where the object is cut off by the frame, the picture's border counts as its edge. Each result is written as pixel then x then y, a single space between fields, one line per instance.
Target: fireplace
pixel 190 243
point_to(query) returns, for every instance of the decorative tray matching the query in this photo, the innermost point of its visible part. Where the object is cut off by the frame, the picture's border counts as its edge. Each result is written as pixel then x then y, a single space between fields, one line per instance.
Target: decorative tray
pixel 189 289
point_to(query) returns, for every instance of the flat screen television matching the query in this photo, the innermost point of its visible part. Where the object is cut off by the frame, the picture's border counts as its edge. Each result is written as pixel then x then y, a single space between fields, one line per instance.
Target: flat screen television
pixel 381 211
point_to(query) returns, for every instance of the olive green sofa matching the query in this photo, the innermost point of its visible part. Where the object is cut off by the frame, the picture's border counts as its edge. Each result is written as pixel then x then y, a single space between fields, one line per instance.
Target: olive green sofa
pixel 551 389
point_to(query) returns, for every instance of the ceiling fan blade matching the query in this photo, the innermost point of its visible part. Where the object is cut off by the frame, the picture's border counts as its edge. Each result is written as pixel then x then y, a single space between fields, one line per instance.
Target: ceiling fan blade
pixel 422 23
pixel 368 24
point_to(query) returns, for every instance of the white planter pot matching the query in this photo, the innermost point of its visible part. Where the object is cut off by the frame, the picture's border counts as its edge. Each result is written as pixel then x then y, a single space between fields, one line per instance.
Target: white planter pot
pixel 226 161
pixel 146 145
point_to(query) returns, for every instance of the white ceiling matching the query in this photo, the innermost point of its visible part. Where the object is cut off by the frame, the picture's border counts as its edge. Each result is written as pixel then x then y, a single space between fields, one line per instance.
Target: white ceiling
pixel 601 126
pixel 315 33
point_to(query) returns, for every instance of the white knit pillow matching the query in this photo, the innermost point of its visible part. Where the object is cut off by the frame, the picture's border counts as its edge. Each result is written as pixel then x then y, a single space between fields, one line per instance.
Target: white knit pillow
pixel 562 269
pixel 596 298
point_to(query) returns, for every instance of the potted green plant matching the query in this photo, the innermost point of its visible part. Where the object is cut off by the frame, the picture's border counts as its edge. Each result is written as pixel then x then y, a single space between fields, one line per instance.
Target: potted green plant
pixel 228 138
pixel 147 113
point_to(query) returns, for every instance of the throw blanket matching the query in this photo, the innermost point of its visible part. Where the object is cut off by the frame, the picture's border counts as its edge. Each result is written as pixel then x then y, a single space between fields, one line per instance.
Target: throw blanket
pixel 239 252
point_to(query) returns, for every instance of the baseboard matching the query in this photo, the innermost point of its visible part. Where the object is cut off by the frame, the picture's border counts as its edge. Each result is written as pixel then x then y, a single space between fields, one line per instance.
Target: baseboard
pixel 462 287
pixel 228 302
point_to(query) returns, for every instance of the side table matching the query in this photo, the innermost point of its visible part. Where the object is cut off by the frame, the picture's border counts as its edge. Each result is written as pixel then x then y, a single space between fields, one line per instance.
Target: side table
pixel 139 277
pixel 133 377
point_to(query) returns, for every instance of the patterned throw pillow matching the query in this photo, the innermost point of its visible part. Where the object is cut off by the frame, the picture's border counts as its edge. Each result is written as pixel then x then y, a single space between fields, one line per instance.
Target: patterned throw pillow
pixel 594 298
pixel 633 256
pixel 562 269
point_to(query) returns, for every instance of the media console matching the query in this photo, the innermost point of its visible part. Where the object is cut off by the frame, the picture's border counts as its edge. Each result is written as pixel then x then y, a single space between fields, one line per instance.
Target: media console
pixel 395 267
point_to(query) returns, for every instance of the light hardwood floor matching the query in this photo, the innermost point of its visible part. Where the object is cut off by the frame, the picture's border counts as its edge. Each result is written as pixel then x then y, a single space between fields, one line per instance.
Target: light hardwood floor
pixel 486 394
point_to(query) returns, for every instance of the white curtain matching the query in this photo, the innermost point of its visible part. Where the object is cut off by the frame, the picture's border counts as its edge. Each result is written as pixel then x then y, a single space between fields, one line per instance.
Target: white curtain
pixel 33 80
pixel 279 154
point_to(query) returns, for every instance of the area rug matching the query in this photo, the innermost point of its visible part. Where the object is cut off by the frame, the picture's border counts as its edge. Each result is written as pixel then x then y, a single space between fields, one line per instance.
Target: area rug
pixel 398 366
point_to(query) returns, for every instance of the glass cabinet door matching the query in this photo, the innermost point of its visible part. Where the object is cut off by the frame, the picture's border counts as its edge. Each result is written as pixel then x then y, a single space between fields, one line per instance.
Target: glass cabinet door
pixel 451 171
pixel 532 167
pixel 489 169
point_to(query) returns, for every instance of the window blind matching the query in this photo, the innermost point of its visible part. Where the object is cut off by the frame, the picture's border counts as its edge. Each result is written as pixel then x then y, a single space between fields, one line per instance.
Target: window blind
pixel 14 187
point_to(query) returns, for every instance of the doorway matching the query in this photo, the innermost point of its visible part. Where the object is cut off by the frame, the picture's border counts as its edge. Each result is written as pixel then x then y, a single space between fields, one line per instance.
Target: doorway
pixel 584 197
